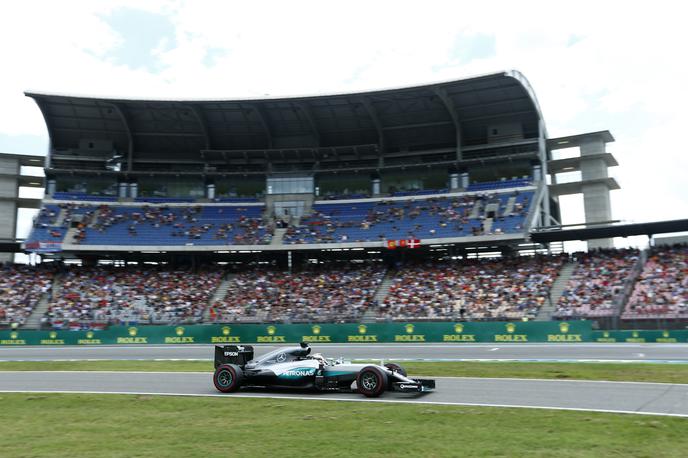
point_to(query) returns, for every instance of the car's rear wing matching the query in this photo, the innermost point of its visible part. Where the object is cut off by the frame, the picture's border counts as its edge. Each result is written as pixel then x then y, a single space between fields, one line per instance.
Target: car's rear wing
pixel 233 354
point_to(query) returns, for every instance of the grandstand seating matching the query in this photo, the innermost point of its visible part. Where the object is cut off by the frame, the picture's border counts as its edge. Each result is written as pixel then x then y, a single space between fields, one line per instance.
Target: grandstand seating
pixel 85 197
pixel 82 196
pixel 599 277
pixel 45 227
pixel 203 225
pixel 500 184
pixel 353 196
pixel 196 225
pixel 408 219
pixel 21 288
pixel 419 192
pixel 165 200
pixel 153 225
pixel 485 289
pixel 93 297
pixel 338 294
pixel 661 291
pixel 235 199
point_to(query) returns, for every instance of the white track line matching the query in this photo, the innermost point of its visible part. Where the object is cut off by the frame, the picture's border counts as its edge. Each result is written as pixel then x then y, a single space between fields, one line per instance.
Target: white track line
pixel 385 401
pixel 427 360
pixel 552 380
pixel 208 373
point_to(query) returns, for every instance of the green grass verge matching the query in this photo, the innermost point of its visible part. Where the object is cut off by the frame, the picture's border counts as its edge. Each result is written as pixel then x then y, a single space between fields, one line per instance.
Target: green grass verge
pixel 636 372
pixel 145 426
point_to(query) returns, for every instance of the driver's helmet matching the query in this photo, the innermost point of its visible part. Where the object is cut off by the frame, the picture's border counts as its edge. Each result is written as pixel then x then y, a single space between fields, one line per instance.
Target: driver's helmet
pixel 320 358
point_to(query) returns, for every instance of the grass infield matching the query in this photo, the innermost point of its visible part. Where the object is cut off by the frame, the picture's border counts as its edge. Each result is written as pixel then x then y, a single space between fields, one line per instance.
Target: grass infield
pixel 74 425
pixel 634 372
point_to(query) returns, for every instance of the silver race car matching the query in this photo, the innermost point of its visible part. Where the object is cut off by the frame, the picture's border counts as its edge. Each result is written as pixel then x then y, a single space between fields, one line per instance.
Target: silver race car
pixel 296 367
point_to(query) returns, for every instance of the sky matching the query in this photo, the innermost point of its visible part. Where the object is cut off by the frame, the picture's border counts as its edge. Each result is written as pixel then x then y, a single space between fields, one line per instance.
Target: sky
pixel 616 65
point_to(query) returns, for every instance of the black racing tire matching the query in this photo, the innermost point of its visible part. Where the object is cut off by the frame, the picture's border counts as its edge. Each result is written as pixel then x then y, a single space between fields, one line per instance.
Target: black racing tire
pixel 371 381
pixel 396 368
pixel 227 378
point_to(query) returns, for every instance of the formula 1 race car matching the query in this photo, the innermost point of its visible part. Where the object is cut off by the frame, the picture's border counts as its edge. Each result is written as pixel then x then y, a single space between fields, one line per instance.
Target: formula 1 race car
pixel 295 367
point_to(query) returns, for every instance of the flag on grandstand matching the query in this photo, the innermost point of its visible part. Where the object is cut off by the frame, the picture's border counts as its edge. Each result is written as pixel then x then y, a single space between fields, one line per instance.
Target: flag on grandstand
pixel 403 243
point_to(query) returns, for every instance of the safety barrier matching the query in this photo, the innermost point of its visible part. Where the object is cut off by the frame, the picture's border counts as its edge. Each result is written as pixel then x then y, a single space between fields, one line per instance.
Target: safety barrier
pixel 656 336
pixel 410 332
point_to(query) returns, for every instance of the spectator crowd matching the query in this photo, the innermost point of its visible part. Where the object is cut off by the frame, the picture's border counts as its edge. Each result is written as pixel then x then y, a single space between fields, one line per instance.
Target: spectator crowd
pixel 99 296
pixel 596 282
pixel 480 289
pixel 21 288
pixel 409 219
pixel 323 295
pixel 508 288
pixel 662 288
pixel 226 225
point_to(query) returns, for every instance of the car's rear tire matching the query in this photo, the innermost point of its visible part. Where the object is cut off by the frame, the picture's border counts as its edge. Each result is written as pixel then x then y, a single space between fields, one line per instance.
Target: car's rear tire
pixel 396 368
pixel 371 381
pixel 227 378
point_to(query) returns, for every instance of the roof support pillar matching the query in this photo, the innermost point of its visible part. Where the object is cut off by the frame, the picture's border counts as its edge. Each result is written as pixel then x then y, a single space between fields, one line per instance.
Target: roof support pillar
pixel 262 117
pixel 451 108
pixel 130 137
pixel 202 123
pixel 372 112
pixel 306 110
pixel 49 126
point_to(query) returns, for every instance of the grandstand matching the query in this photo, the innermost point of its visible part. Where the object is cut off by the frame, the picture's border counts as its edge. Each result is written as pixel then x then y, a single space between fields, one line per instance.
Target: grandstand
pixel 622 287
pixel 456 162
pixel 419 203
pixel 661 290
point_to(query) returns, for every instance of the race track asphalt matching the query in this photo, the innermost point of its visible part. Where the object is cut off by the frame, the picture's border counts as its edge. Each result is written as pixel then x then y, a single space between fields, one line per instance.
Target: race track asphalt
pixel 619 397
pixel 429 352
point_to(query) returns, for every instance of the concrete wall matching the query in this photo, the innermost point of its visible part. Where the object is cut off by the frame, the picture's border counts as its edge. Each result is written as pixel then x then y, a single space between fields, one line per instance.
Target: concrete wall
pixel 8 220
pixel 9 189
pixel 9 166
pixel 661 241
pixel 500 132
pixel 596 199
pixel 592 145
pixel 598 208
pixel 593 168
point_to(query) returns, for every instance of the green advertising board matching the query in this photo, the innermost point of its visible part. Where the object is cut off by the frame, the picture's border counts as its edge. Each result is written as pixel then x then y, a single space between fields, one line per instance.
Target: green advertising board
pixel 638 336
pixel 399 332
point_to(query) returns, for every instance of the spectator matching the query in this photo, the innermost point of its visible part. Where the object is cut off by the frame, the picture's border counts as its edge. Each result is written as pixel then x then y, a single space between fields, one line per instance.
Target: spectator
pixel 21 288
pixel 662 288
pixel 598 278
pixel 334 294
pixel 100 296
pixel 484 289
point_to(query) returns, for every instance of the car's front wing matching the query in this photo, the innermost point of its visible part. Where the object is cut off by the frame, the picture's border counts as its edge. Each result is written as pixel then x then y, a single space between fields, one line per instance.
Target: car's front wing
pixel 414 386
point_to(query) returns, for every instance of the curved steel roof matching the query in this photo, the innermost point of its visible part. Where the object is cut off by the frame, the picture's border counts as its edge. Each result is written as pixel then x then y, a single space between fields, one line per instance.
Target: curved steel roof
pixel 432 115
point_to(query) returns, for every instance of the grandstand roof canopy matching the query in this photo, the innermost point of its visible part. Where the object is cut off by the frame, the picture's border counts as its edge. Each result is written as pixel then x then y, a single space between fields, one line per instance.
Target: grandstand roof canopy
pixel 396 119
pixel 556 234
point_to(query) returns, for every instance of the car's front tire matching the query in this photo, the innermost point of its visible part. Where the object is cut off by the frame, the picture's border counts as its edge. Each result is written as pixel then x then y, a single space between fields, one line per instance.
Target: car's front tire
pixel 227 378
pixel 371 381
